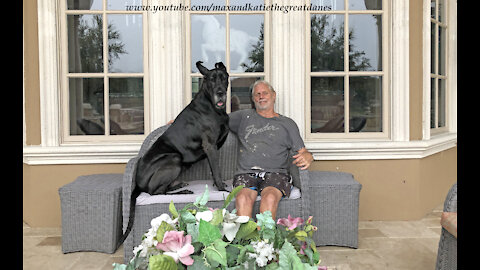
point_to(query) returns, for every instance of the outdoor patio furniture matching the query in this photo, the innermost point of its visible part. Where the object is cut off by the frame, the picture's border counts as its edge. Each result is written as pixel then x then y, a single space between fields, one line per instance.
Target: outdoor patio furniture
pixel 331 197
pixel 91 213
pixel 447 247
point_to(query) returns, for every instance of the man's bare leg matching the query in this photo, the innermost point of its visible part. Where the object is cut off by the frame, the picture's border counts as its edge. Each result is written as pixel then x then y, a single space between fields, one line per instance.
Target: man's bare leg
pixel 244 201
pixel 271 196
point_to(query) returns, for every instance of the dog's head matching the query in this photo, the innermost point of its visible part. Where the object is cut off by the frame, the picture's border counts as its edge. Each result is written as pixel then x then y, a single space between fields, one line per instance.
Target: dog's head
pixel 215 83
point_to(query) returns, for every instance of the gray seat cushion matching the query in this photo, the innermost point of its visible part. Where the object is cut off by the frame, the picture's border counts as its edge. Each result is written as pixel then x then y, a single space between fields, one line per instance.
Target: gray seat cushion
pixel 198 187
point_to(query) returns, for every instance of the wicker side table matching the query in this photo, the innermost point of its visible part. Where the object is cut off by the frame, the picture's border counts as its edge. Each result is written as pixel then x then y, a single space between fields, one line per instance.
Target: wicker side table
pixel 332 200
pixel 92 213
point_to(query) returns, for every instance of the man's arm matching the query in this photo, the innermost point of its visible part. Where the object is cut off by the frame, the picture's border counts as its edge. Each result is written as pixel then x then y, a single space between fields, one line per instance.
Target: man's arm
pixel 303 159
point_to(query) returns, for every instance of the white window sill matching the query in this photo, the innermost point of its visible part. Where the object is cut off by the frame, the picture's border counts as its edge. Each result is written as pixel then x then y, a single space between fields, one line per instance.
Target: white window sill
pixel 381 149
pixel 121 153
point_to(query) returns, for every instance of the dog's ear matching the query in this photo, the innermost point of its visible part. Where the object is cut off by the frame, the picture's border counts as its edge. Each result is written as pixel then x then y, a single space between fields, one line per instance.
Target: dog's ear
pixel 202 69
pixel 220 65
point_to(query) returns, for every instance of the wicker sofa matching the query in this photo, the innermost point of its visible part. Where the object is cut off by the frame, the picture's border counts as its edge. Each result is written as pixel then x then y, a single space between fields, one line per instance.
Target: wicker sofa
pixel 447 246
pixel 331 197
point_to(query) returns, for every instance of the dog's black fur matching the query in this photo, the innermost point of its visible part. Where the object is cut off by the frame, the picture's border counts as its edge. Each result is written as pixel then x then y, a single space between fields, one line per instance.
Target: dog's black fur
pixel 197 132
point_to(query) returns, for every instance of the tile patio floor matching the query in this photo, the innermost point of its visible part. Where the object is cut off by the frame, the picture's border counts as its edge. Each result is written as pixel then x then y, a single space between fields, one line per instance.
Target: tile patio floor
pixel 383 245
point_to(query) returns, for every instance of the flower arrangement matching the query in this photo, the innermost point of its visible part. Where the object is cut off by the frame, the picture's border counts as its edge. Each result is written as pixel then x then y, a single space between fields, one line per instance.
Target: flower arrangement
pixel 199 237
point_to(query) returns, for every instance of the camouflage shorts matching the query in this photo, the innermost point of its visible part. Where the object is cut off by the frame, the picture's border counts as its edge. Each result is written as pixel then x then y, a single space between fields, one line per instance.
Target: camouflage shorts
pixel 259 181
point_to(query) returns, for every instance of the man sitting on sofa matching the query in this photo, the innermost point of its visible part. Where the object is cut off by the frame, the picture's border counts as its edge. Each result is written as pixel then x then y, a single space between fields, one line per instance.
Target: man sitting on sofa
pixel 266 139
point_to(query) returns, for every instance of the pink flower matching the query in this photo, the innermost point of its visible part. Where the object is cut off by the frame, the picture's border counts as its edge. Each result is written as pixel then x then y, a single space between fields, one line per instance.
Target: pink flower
pixel 303 247
pixel 322 268
pixel 290 222
pixel 177 246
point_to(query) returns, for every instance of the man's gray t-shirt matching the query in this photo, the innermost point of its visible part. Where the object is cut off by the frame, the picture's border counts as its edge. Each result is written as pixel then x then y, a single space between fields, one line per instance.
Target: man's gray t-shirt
pixel 265 143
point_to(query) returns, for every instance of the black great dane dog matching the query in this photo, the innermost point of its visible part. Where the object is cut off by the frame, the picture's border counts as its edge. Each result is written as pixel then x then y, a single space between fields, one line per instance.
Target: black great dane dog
pixel 197 132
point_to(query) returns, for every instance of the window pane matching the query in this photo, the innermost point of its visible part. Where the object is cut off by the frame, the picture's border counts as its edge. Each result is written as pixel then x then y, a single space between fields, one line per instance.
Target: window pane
pixel 208 40
pixel 196 82
pixel 365 37
pixel 241 93
pixel 433 104
pixel 122 4
pixel 84 5
pixel 327 5
pixel 126 106
pixel 125 43
pixel 365 4
pixel 366 104
pixel 432 9
pixel 86 106
pixel 442 45
pixel 246 43
pixel 327 42
pixel 433 48
pixel 253 3
pixel 441 11
pixel 207 3
pixel 85 43
pixel 327 103
pixel 441 103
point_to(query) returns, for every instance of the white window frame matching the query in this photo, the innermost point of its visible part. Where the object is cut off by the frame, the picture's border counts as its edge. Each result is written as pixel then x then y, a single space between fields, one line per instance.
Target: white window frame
pixel 66 138
pixel 287 56
pixel 451 72
pixel 346 74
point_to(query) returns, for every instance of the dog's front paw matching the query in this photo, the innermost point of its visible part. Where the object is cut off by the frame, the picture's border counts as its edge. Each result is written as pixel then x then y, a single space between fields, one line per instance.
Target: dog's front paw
pixel 221 186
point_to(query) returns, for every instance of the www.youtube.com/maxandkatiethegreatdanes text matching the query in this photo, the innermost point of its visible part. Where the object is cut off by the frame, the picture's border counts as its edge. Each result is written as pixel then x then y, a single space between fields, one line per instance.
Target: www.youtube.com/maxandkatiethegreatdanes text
pixel 215 7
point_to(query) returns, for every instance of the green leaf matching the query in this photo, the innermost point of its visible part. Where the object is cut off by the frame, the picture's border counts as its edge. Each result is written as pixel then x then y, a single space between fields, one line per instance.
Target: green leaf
pixel 187 217
pixel 202 199
pixel 288 258
pixel 232 254
pixel 192 229
pixel 300 235
pixel 217 217
pixel 309 253
pixel 246 229
pixel 272 266
pixel 117 266
pixel 243 251
pixel 265 220
pixel 207 233
pixel 232 195
pixel 198 263
pixel 217 252
pixel 161 262
pixel 164 227
pixel 173 210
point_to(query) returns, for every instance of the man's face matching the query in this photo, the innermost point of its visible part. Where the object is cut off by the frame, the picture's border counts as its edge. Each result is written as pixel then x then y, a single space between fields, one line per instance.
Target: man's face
pixel 263 97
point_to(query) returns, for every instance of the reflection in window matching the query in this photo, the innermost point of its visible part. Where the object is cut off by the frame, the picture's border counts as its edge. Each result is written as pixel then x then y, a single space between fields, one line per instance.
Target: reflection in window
pixel 327 42
pixel 327 108
pixel 124 43
pixel 246 43
pixel 242 92
pixel 86 106
pixel 208 41
pixel 126 106
pixel 365 38
pixel 85 43
pixel 365 104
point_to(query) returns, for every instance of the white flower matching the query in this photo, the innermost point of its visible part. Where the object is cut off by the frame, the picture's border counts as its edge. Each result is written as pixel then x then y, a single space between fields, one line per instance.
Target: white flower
pixel 231 224
pixel 264 252
pixel 156 222
pixel 205 215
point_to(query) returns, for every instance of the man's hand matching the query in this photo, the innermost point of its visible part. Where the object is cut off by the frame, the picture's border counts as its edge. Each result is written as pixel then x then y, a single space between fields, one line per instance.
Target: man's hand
pixel 303 159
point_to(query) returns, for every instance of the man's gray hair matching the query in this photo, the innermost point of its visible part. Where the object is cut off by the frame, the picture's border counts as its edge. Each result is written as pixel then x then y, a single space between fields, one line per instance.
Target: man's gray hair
pixel 264 82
